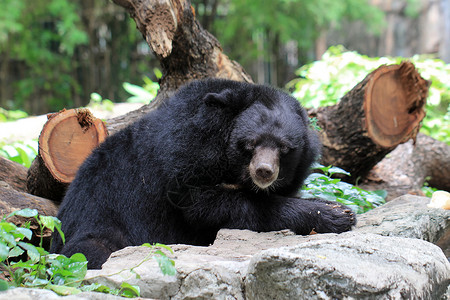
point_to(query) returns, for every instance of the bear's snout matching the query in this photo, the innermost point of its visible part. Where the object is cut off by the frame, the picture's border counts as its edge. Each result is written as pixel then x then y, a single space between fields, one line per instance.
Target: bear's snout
pixel 264 166
pixel 265 171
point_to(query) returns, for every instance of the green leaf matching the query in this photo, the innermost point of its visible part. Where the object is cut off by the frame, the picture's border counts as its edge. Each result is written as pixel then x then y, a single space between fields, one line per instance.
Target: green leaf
pixel 32 252
pixel 148 245
pixel 336 170
pixel 136 90
pixel 95 97
pixel 24 158
pixel 9 238
pixel 164 246
pixel 78 257
pixel 26 212
pixel 58 227
pixel 166 265
pixel 4 251
pixel 7 226
pixel 16 251
pixel 25 232
pixel 48 222
pixel 381 193
pixel 103 289
pixel 42 251
pixel 3 285
pixel 64 290
pixel 91 287
pixel 157 73
pixel 33 281
pixel 130 291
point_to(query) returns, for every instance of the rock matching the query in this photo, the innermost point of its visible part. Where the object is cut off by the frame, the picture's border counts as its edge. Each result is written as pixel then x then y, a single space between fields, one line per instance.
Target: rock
pixel 314 267
pixel 348 266
pixel 38 294
pixel 387 256
pixel 409 216
pixel 203 272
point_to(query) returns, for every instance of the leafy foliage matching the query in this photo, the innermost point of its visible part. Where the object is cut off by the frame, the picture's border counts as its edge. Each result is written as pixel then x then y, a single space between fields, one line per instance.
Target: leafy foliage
pixel 97 101
pixel 54 53
pixel 20 152
pixel 44 36
pixel 25 265
pixel 269 21
pixel 139 94
pixel 428 190
pixel 11 115
pixel 144 94
pixel 324 82
pixel 333 189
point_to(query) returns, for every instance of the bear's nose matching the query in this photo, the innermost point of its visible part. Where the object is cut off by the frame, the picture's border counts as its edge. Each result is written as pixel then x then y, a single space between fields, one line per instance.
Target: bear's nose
pixel 265 171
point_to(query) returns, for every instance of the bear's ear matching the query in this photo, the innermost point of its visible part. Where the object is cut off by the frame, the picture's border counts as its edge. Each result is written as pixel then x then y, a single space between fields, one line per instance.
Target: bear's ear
pixel 218 99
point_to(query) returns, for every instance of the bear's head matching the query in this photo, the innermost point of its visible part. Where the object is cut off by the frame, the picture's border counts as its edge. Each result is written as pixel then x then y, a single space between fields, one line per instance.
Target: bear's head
pixel 271 146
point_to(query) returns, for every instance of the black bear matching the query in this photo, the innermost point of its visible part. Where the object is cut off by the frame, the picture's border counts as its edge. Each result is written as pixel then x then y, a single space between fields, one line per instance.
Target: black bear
pixel 217 154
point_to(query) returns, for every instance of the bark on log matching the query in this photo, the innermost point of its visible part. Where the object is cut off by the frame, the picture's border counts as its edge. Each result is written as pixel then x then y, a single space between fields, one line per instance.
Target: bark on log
pixel 65 141
pixel 12 200
pixel 381 112
pixel 185 50
pixel 407 168
pixel 13 174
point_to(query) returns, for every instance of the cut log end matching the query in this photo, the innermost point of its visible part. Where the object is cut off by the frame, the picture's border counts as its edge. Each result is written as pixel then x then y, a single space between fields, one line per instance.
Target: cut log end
pixel 394 104
pixel 67 139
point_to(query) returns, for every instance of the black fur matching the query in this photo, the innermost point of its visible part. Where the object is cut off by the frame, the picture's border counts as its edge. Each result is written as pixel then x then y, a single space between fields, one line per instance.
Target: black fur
pixel 181 173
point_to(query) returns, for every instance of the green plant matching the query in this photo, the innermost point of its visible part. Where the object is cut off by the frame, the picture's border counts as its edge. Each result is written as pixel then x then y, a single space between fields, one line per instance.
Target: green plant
pixel 319 185
pixel 20 152
pixel 97 101
pixel 324 82
pixel 144 94
pixel 11 115
pixel 61 274
pixel 427 189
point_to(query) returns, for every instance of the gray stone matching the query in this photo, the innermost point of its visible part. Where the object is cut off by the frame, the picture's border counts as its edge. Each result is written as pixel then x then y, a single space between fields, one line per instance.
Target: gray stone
pixel 409 216
pixel 385 257
pixel 350 266
pixel 38 294
pixel 325 266
pixel 202 273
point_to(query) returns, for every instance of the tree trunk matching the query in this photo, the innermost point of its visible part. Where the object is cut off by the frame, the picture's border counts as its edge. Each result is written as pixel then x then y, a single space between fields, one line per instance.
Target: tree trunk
pixel 381 112
pixel 13 174
pixel 409 166
pixel 65 141
pixel 12 200
pixel 185 50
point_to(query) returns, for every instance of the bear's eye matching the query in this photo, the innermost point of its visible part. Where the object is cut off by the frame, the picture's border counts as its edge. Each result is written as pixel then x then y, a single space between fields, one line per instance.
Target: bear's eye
pixel 284 148
pixel 250 145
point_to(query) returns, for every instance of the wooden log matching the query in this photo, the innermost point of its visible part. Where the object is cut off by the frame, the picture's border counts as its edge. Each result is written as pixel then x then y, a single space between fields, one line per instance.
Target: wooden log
pixel 67 138
pixel 12 200
pixel 409 166
pixel 13 174
pixel 381 112
pixel 185 50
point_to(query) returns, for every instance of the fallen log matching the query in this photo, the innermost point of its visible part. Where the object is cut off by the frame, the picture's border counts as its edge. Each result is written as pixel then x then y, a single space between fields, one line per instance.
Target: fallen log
pixel 409 166
pixel 67 138
pixel 381 112
pixel 13 174
pixel 12 200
